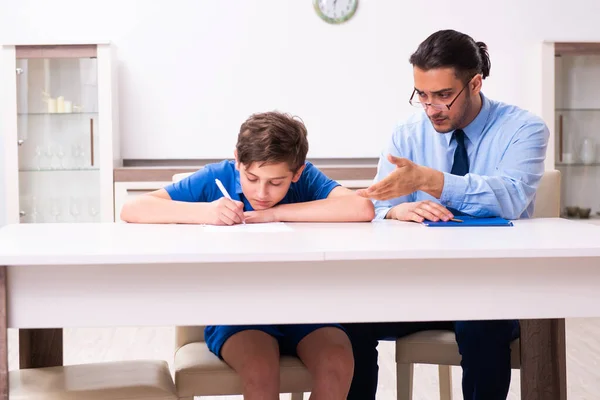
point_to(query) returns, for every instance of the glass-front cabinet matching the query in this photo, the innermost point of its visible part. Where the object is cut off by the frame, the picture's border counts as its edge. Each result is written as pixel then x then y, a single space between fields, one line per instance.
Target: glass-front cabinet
pixel 577 127
pixel 64 132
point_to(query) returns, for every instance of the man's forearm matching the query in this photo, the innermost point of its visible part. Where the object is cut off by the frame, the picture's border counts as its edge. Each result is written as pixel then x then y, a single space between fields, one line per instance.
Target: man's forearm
pixel 431 181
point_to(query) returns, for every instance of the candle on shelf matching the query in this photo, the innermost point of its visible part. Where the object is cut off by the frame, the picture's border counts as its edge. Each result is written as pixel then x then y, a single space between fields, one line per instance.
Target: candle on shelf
pixel 60 104
pixel 68 106
pixel 51 105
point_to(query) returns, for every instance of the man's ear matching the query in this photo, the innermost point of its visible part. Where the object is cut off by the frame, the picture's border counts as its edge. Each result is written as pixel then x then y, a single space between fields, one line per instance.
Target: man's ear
pixel 475 84
pixel 298 173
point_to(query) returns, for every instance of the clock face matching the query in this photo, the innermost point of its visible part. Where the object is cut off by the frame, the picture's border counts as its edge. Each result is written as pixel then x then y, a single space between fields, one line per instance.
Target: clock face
pixel 335 11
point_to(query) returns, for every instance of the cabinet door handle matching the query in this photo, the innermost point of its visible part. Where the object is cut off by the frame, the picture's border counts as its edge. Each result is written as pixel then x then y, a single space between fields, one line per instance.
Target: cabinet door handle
pixel 92 142
pixel 19 71
pixel 20 142
pixel 22 213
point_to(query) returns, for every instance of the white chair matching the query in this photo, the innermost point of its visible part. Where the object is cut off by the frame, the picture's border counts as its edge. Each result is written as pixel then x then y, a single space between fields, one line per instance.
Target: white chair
pixel 440 347
pixel 547 199
pixel 198 372
pixel 123 380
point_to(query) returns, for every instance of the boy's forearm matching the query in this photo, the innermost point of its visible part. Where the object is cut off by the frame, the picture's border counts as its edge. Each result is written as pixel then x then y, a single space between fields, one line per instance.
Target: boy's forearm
pixel 350 208
pixel 153 210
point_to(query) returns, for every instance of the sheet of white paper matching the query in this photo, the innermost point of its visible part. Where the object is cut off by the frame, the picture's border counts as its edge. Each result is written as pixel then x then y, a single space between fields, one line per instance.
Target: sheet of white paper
pixel 264 227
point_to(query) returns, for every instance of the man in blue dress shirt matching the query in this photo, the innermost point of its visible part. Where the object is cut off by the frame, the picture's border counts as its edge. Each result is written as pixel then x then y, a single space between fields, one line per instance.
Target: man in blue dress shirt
pixel 463 154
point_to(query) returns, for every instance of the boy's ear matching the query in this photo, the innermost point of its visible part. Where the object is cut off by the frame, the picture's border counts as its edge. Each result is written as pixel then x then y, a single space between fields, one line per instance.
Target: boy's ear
pixel 237 163
pixel 298 173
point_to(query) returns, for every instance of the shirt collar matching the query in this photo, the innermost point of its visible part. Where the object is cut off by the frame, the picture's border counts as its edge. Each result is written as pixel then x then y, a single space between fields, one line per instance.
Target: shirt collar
pixel 475 129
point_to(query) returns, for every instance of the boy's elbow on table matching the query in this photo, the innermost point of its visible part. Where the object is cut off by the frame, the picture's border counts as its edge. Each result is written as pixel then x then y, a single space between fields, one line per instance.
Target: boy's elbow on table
pixel 136 210
pixel 367 209
pixel 129 212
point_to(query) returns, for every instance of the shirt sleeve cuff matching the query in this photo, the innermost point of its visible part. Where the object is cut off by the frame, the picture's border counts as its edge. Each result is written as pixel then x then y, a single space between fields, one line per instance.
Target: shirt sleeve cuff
pixel 453 193
pixel 381 212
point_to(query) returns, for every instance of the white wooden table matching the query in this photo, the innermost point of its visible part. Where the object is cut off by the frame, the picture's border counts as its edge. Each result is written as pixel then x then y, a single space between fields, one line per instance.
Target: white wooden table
pixel 97 275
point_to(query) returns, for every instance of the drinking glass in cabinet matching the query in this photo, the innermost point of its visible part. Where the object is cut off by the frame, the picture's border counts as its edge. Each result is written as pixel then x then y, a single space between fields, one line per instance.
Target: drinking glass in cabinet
pixel 49 155
pixel 93 207
pixel 60 154
pixel 75 208
pixel 55 208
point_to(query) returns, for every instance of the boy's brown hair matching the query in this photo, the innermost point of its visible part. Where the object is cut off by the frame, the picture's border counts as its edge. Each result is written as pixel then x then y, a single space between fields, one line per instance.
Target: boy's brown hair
pixel 272 137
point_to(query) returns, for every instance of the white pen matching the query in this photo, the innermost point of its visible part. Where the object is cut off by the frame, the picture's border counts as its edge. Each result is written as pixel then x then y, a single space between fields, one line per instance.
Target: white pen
pixel 224 191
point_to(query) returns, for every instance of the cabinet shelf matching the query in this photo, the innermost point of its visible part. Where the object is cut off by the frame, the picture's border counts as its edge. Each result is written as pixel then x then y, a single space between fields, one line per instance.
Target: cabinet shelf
pixel 60 169
pixel 578 109
pixel 55 114
pixel 578 164
pixel 591 217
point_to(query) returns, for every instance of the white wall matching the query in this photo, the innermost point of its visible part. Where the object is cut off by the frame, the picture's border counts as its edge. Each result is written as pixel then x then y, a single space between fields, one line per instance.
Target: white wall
pixel 193 70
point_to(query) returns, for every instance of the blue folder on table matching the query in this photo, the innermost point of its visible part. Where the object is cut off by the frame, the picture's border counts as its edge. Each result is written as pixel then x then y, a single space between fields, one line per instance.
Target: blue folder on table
pixel 468 220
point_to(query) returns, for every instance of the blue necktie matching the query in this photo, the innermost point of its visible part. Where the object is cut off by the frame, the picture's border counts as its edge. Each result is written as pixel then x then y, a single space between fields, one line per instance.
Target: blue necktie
pixel 461 160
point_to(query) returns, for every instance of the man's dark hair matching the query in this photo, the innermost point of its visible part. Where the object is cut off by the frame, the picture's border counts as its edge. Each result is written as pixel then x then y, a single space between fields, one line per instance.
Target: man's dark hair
pixel 272 137
pixel 452 49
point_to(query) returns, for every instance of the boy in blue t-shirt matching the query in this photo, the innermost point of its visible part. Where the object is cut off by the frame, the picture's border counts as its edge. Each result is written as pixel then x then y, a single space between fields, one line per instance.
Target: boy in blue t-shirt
pixel 270 180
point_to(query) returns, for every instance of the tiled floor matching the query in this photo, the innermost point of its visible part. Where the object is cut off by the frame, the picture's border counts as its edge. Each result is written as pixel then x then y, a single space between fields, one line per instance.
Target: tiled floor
pixel 89 345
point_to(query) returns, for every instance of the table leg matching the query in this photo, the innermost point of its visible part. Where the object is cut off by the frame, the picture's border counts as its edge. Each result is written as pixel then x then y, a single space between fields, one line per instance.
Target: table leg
pixel 543 360
pixel 3 337
pixel 40 348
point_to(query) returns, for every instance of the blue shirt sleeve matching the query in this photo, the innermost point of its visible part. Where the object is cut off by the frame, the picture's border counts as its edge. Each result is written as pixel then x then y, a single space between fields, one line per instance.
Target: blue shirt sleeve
pixel 509 191
pixel 384 168
pixel 315 184
pixel 197 187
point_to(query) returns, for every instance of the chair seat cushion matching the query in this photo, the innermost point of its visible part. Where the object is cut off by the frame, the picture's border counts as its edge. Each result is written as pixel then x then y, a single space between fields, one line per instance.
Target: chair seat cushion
pixel 438 348
pixel 122 380
pixel 198 372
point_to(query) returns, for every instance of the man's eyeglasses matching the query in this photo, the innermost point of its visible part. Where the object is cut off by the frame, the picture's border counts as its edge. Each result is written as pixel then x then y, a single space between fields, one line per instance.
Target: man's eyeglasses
pixel 439 107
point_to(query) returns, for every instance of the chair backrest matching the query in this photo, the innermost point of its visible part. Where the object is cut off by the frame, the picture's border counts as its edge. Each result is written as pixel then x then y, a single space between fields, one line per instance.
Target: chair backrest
pixel 547 197
pixel 178 177
pixel 187 334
